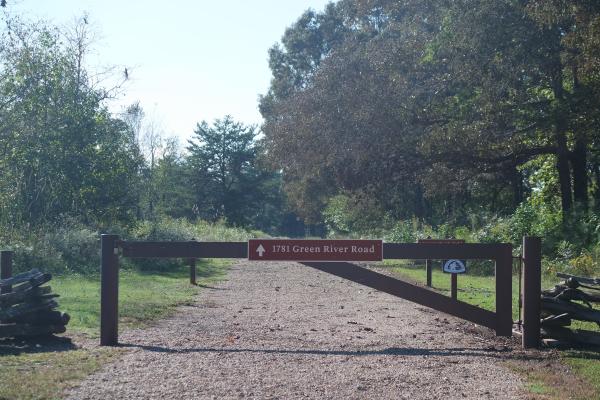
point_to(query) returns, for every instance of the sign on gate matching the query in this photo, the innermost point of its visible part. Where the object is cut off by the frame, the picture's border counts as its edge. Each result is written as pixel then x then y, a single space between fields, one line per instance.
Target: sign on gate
pixel 314 250
pixel 455 266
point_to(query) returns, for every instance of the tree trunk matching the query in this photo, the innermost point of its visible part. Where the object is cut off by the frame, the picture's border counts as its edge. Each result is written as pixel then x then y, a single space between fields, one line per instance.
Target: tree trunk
pixel 564 172
pixel 560 131
pixel 517 184
pixel 596 169
pixel 418 202
pixel 580 173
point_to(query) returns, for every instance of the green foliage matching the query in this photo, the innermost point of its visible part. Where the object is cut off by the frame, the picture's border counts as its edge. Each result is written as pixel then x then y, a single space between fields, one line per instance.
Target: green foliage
pixel 169 229
pixel 75 248
pixel 228 181
pixel 62 151
pixel 69 248
pixel 407 232
pixel 437 110
pixel 181 229
pixel 345 215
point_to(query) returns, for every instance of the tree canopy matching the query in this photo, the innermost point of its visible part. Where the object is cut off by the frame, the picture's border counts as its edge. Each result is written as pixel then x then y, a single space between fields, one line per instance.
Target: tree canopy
pixel 432 108
pixel 62 151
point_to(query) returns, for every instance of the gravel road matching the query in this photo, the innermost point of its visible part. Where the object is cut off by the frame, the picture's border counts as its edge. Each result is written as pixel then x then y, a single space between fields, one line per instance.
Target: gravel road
pixel 286 331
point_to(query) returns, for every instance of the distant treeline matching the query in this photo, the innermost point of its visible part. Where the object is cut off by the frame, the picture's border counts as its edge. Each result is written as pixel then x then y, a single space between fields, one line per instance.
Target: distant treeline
pixel 473 118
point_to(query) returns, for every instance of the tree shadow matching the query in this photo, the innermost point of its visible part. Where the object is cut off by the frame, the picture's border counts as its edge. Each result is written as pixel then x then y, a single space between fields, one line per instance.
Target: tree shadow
pixel 505 354
pixel 41 344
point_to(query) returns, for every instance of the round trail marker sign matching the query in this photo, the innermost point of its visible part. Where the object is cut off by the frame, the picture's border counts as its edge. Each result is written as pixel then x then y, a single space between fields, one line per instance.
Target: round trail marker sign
pixel 455 266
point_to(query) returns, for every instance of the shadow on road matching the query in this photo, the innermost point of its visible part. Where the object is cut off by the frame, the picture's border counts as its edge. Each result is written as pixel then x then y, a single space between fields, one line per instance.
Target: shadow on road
pixel 504 353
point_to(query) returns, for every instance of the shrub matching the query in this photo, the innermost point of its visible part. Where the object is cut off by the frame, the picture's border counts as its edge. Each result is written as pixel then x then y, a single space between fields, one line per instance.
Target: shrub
pixel 72 247
pixel 170 229
pixel 75 248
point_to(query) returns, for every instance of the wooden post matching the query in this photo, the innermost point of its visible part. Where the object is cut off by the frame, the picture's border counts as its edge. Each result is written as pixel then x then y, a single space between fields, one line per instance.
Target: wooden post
pixel 454 286
pixel 193 271
pixel 6 258
pixel 532 291
pixel 109 292
pixel 428 270
pixel 504 292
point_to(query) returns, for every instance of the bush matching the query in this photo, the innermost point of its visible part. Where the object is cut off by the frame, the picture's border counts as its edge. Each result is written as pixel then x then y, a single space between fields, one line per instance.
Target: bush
pixel 70 248
pixel 75 248
pixel 170 229
pixel 354 216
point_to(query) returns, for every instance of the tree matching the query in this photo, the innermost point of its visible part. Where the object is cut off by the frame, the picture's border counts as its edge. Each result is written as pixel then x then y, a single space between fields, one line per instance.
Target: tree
pixel 350 127
pixel 174 196
pixel 437 100
pixel 227 180
pixel 62 152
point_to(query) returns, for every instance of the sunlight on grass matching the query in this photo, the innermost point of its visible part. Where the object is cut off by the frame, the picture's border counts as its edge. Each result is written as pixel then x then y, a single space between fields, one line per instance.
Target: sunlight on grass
pixel 143 296
pixel 472 289
pixel 585 363
pixel 47 375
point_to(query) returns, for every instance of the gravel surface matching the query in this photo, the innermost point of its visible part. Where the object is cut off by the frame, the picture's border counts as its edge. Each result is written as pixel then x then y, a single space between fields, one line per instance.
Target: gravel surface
pixel 283 330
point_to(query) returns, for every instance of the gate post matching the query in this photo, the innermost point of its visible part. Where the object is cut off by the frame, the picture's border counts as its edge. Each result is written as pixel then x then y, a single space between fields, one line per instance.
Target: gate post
pixel 504 292
pixel 192 262
pixel 532 291
pixel 454 286
pixel 109 291
pixel 6 268
pixel 428 271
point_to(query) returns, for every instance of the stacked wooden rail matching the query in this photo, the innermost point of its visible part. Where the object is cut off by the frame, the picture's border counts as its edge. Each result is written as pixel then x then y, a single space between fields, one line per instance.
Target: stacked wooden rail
pixel 27 308
pixel 572 299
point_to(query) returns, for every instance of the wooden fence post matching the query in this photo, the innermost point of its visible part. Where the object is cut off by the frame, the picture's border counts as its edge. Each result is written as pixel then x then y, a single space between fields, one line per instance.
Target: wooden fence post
pixel 532 291
pixel 428 270
pixel 109 291
pixel 504 292
pixel 454 286
pixel 6 258
pixel 193 271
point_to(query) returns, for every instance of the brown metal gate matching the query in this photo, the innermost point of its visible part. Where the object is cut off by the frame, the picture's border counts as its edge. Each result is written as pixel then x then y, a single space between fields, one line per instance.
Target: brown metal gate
pixel 501 254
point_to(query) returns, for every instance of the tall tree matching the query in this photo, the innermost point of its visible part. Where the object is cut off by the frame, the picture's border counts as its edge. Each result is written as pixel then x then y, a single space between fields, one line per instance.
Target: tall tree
pixel 62 152
pixel 445 99
pixel 224 171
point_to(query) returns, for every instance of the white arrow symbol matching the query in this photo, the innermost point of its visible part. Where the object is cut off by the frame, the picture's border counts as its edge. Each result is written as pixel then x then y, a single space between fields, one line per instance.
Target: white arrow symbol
pixel 260 250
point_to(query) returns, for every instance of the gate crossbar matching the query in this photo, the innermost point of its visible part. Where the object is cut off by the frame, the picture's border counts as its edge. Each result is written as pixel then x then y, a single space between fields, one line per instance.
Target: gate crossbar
pixel 407 291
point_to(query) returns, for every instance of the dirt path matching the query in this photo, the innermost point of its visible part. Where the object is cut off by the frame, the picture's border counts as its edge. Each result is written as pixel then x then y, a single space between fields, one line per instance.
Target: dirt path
pixel 288 331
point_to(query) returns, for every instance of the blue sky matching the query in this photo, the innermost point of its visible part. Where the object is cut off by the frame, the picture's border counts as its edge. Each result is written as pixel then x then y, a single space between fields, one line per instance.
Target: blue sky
pixel 188 60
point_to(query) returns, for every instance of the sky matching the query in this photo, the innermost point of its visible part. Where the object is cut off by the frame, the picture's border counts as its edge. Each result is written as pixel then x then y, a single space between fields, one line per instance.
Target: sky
pixel 187 61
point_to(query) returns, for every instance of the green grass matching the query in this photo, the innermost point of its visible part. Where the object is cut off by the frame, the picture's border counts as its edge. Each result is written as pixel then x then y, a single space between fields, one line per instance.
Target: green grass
pixel 480 291
pixel 476 290
pixel 143 296
pixel 585 364
pixel 46 375
pixel 44 371
pixel 472 289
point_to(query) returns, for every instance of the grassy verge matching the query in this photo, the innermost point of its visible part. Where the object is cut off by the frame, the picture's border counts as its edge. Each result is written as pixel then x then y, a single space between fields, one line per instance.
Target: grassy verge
pixel 480 291
pixel 585 364
pixel 44 369
pixel 143 296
